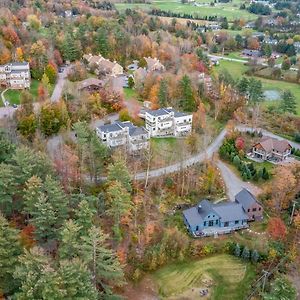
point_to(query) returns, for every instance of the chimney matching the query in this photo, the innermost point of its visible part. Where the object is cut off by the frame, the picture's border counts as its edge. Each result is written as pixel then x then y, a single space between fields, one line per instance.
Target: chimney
pixel 199 208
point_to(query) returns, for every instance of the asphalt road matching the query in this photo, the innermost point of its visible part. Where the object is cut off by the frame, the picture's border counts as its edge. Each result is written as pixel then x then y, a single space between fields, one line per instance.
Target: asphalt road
pixel 56 95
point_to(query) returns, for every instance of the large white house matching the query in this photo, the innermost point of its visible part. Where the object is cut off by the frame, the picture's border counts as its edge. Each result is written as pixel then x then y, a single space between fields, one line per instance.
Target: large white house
pixel 168 122
pixel 124 134
pixel 15 75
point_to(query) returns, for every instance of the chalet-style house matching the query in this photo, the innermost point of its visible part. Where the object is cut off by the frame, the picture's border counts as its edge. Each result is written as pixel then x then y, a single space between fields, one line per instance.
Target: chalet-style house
pixel 15 75
pixel 90 85
pixel 168 122
pixel 271 149
pixel 207 218
pixel 102 66
pixel 124 134
pixel 153 64
pixel 251 206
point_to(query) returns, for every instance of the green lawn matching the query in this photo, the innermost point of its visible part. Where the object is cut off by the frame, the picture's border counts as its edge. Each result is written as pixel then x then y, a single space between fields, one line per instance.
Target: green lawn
pixel 237 70
pixel 230 276
pixel 13 96
pixel 230 10
pixel 129 94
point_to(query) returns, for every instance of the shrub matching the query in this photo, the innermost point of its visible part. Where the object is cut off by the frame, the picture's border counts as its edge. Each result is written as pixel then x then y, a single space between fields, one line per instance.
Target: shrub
pixel 237 250
pixel 254 256
pixel 246 253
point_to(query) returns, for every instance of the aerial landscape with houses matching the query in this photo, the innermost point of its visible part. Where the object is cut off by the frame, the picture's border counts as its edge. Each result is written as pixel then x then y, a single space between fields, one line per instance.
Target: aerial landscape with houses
pixel 149 149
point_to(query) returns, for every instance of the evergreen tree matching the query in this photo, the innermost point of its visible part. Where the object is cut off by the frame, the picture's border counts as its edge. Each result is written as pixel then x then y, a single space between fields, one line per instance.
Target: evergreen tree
pixel 236 161
pixel 70 243
pixel 187 101
pixel 288 103
pixel 10 250
pixel 265 174
pixel 120 204
pixel 254 256
pixel 32 191
pixel 7 188
pixel 237 250
pixel 76 280
pixel 130 82
pixel 243 86
pixel 246 253
pixel 163 95
pixel 102 42
pixel 255 91
pixel 70 50
pixel 7 148
pixel 119 172
pixel 102 262
pixel 84 215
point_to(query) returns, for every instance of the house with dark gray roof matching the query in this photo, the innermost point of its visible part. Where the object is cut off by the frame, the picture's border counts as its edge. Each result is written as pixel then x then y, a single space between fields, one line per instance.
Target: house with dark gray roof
pixel 251 206
pixel 208 218
pixel 124 134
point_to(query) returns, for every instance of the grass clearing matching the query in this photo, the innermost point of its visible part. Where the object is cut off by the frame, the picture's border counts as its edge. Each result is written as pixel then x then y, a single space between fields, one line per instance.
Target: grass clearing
pixel 237 70
pixel 231 278
pixel 229 10
pixel 129 93
pixel 13 96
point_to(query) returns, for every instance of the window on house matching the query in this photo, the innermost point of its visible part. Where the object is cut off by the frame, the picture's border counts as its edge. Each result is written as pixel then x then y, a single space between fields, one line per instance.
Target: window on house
pixel 259 208
pixel 248 209
pixel 236 222
pixel 204 223
pixel 211 223
pixel 197 228
pixel 254 209
pixel 217 221
pixel 226 224
pixel 208 216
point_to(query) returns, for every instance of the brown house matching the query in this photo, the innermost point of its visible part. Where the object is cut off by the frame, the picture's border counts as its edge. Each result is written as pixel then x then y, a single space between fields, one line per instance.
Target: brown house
pixel 90 85
pixel 251 206
pixel 271 148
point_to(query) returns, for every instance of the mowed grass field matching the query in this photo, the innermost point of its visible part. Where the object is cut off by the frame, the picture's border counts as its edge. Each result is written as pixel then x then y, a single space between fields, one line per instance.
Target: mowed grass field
pixel 230 10
pixel 231 278
pixel 237 70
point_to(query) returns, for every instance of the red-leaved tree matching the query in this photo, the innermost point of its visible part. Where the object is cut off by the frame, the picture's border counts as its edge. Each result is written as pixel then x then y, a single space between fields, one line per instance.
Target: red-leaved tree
pixel 276 229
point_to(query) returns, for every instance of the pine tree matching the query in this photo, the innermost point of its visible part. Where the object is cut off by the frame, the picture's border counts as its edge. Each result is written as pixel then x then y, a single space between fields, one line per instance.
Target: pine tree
pixel 102 43
pixel 163 96
pixel 288 103
pixel 84 215
pixel 70 49
pixel 246 253
pixel 255 91
pixel 254 256
pixel 7 148
pixel 69 246
pixel 187 101
pixel 32 191
pixel 119 172
pixel 120 204
pixel 237 250
pixel 243 86
pixel 130 82
pixel 10 250
pixel 7 188
pixel 76 279
pixel 102 262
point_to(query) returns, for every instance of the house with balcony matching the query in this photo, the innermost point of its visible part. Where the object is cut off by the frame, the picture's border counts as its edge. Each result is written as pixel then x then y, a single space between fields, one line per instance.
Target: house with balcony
pixel 208 219
pixel 271 149
pixel 15 75
pixel 168 122
pixel 125 134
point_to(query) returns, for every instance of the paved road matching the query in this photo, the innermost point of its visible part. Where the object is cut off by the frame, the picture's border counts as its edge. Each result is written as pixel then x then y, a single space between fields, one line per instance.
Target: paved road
pixel 56 95
pixel 233 183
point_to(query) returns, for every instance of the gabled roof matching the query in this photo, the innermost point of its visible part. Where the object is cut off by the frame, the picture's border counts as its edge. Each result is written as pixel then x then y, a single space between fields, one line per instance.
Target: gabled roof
pixel 159 112
pixel 269 144
pixel 245 198
pixel 135 131
pixel 230 211
pixel 90 81
pixel 110 128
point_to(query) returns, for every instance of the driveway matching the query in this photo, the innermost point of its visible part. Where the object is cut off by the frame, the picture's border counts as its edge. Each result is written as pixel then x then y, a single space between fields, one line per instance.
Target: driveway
pixel 56 95
pixel 233 183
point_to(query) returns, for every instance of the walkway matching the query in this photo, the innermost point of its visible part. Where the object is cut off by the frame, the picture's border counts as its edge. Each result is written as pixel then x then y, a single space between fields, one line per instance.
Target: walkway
pixel 3 98
pixel 56 95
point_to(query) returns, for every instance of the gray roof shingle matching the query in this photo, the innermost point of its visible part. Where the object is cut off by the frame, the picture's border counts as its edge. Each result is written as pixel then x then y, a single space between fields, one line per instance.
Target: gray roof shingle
pixel 230 211
pixel 245 198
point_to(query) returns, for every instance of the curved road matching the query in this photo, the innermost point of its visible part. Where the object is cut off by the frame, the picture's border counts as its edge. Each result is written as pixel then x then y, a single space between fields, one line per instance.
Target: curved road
pixel 200 157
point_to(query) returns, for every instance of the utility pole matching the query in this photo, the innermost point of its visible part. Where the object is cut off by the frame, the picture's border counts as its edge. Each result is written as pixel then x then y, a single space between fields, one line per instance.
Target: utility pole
pixel 293 210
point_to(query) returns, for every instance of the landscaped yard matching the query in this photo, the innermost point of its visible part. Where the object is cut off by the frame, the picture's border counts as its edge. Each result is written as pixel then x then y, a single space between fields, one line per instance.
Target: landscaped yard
pixel 13 96
pixel 229 10
pixel 231 278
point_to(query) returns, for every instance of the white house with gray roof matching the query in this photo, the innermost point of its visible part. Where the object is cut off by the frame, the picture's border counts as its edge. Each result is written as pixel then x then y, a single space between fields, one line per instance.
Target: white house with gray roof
pixel 208 218
pixel 15 75
pixel 168 122
pixel 124 134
